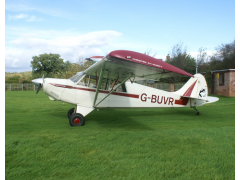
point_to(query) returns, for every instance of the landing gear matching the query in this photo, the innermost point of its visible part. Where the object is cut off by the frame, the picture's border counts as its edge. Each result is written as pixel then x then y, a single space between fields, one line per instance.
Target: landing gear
pixel 76 120
pixel 70 112
pixel 197 113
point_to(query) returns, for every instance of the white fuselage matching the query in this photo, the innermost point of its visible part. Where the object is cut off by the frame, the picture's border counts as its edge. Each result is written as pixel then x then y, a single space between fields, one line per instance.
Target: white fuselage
pixel 137 96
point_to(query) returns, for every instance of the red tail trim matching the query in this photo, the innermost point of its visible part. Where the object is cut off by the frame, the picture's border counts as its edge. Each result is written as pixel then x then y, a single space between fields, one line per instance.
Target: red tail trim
pixel 189 90
pixel 182 101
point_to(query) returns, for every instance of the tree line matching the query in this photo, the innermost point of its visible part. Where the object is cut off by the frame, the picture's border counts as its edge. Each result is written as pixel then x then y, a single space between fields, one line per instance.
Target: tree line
pixel 53 66
pixel 223 58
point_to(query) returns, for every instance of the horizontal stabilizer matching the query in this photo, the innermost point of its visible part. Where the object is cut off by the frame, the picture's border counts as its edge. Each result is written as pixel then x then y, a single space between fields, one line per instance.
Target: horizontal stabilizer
pixel 212 99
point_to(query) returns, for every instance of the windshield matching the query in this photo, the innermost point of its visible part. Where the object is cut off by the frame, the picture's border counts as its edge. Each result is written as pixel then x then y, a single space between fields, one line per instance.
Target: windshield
pixel 76 77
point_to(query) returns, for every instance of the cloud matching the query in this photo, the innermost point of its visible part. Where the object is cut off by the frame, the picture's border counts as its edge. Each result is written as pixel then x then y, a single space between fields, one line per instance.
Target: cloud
pixel 15 7
pixel 34 18
pixel 24 16
pixel 17 17
pixel 19 51
pixel 195 54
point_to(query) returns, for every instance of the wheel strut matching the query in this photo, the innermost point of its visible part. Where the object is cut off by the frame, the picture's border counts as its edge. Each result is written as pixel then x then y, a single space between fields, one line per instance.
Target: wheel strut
pixel 194 107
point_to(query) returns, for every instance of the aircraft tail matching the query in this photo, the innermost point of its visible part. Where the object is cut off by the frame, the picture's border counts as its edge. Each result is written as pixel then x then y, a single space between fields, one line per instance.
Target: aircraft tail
pixel 196 88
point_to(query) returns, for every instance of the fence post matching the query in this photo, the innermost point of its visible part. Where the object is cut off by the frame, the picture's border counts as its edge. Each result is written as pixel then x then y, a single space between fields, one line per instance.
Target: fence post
pixel 10 87
pixel 171 87
pixel 22 87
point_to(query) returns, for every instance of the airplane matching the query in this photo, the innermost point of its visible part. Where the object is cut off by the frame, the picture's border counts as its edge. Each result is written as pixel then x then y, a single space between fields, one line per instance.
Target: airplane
pixel 97 86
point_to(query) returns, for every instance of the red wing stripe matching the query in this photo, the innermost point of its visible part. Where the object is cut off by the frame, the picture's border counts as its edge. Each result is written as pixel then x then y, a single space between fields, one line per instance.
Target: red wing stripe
pixel 189 90
pixel 100 91
pixel 84 89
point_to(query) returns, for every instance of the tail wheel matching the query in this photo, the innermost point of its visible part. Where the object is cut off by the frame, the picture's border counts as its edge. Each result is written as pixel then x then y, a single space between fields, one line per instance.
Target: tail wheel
pixel 70 112
pixel 76 120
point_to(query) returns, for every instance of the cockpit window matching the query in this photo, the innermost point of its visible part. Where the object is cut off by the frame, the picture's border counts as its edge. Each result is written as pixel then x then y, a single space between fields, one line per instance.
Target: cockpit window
pixel 76 77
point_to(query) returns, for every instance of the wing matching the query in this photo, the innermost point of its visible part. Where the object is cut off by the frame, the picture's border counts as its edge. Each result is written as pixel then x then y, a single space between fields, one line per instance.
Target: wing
pixel 122 63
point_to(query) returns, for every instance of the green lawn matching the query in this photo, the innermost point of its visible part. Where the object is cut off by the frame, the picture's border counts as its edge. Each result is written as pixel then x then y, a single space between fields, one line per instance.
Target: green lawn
pixel 162 143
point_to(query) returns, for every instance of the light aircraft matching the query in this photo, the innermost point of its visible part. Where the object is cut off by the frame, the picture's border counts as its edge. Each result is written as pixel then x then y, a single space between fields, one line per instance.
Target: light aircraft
pixel 95 88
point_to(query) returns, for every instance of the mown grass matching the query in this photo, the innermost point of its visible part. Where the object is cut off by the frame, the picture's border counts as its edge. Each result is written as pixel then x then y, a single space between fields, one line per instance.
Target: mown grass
pixel 117 144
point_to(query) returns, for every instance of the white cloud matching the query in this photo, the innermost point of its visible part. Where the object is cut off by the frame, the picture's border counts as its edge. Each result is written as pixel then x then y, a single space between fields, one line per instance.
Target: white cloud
pixel 34 18
pixel 24 16
pixel 166 36
pixel 19 51
pixel 195 54
pixel 15 7
pixel 17 17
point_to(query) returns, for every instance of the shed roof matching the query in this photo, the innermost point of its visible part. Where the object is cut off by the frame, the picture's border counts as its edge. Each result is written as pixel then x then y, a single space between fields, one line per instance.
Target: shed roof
pixel 224 70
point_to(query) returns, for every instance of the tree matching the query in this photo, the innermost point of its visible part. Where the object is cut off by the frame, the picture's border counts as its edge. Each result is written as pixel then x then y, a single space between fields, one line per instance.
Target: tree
pixel 81 65
pixel 148 51
pixel 73 69
pixel 224 58
pixel 51 65
pixel 181 59
pixel 226 54
pixel 201 59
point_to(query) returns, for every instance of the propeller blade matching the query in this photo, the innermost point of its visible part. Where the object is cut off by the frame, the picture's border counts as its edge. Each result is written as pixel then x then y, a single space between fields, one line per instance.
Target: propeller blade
pixel 39 87
pixel 38 82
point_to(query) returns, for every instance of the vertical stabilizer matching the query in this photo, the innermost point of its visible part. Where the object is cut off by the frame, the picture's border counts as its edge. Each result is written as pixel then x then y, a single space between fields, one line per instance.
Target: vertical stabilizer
pixel 195 87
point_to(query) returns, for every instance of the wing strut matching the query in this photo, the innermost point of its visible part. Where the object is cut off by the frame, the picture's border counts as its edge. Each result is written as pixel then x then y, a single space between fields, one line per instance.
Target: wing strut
pixel 113 90
pixel 98 84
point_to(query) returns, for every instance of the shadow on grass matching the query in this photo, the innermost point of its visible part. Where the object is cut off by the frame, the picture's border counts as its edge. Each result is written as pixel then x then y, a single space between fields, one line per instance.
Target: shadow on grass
pixel 116 119
pixel 137 119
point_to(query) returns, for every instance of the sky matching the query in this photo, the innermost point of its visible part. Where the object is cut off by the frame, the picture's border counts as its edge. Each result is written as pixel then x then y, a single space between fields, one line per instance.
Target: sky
pixel 84 28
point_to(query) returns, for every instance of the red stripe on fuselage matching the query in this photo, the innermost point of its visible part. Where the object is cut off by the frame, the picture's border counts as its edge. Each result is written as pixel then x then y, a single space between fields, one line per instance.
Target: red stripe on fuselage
pixel 182 101
pixel 100 91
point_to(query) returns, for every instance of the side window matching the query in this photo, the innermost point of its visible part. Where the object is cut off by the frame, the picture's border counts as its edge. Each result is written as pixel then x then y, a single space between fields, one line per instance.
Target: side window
pixel 221 79
pixel 106 84
pixel 91 83
pixel 82 82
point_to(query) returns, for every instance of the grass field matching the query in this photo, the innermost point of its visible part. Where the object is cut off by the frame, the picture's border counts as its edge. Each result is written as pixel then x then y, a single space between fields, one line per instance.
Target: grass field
pixel 117 144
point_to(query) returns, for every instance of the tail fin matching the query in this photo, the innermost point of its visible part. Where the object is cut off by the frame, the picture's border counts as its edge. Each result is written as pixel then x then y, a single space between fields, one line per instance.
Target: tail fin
pixel 196 88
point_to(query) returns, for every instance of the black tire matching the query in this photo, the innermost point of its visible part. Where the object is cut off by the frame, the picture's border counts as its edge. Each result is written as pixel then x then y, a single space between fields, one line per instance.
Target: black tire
pixel 76 120
pixel 70 112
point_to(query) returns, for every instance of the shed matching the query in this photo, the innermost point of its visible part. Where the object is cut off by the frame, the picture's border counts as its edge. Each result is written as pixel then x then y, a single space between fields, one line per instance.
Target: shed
pixel 223 82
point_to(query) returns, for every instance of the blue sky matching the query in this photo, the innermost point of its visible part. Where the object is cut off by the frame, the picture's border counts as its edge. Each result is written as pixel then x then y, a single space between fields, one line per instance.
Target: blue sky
pixel 84 28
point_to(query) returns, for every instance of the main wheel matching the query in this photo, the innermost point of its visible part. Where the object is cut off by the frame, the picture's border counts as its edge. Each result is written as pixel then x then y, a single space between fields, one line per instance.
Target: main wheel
pixel 76 120
pixel 70 112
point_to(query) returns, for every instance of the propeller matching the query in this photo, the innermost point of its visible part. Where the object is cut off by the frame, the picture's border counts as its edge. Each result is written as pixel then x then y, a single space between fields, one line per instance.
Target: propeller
pixel 38 82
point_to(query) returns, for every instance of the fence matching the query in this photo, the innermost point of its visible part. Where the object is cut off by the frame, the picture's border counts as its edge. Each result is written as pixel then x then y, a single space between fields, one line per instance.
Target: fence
pixel 20 87
pixel 178 86
pixel 162 86
pixel 33 87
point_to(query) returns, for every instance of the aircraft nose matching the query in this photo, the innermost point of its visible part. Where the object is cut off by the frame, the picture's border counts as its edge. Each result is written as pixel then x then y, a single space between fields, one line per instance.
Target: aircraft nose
pixel 37 81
